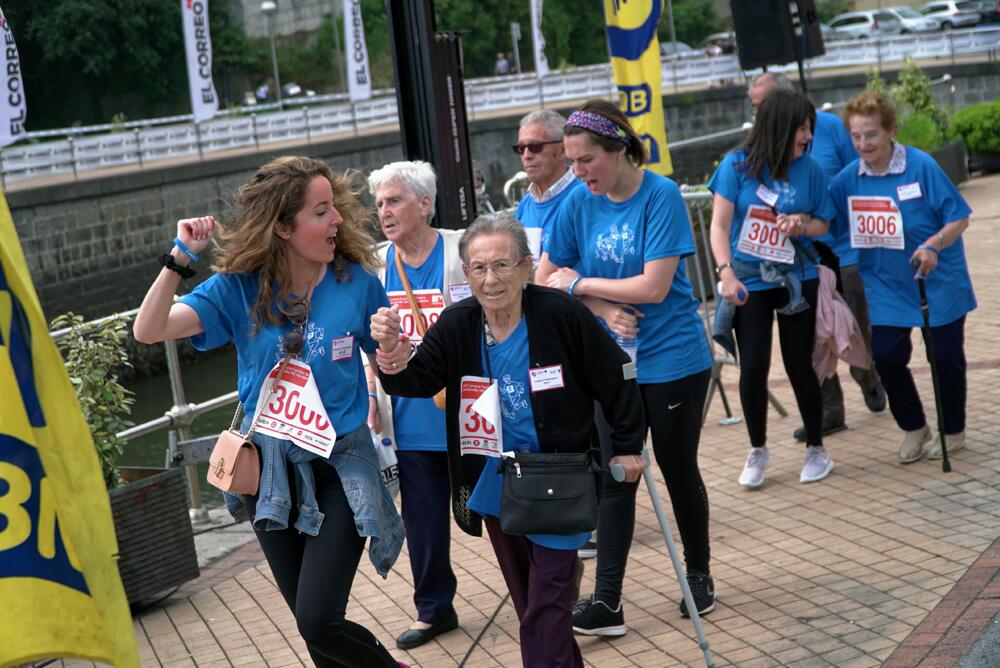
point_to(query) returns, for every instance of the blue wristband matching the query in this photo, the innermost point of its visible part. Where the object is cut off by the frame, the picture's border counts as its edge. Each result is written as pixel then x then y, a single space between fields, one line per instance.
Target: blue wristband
pixel 187 251
pixel 373 395
pixel 572 284
pixel 928 247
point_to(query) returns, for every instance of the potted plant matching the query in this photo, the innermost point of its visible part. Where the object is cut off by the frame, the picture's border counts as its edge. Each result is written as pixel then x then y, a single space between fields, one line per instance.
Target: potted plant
pixel 150 509
pixel 978 126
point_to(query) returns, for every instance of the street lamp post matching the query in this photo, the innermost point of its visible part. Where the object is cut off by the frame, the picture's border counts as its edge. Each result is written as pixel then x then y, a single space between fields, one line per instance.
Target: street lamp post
pixel 268 8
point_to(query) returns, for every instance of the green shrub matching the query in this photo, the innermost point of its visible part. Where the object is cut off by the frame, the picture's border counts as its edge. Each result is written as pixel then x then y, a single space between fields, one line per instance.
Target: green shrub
pixel 978 126
pixel 93 354
pixel 921 131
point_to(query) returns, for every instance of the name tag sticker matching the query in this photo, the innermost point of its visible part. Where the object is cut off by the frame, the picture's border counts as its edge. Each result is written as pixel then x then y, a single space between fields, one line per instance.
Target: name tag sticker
pixel 546 378
pixel 459 291
pixel 343 348
pixel 766 195
pixel 909 191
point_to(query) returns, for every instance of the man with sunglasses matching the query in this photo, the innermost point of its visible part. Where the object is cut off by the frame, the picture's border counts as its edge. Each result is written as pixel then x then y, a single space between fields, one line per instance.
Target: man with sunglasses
pixel 539 143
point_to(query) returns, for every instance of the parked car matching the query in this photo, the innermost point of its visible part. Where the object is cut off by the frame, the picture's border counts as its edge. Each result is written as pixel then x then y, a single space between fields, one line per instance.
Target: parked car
pixel 989 11
pixel 951 14
pixel 863 25
pixel 683 52
pixel 724 42
pixel 290 90
pixel 914 21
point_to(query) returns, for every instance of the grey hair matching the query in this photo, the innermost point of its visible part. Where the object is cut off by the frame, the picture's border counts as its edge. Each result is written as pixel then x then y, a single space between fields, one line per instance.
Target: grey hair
pixel 780 79
pixel 552 121
pixel 416 176
pixel 503 222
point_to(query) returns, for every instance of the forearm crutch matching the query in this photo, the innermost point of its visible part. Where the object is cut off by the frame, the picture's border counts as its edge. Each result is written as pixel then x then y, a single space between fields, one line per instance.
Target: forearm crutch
pixel 932 359
pixel 618 473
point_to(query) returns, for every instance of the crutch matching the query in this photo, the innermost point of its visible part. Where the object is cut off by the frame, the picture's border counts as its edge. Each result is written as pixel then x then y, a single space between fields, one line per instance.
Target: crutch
pixel 929 344
pixel 618 473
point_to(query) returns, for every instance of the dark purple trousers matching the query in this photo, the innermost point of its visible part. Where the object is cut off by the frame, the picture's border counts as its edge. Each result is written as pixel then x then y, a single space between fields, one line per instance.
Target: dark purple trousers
pixel 542 582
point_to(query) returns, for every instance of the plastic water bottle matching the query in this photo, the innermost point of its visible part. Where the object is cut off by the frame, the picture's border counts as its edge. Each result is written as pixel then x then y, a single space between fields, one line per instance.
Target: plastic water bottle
pixel 630 346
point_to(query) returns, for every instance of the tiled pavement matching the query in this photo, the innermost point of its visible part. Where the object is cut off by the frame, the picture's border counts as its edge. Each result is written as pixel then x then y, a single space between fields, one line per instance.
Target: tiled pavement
pixel 876 564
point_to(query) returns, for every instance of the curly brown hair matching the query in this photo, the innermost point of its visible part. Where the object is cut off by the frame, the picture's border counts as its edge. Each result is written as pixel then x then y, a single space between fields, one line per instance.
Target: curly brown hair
pixel 871 103
pixel 274 195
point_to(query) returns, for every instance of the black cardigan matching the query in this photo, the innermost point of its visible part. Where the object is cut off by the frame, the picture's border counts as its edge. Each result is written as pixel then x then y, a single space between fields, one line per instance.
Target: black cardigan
pixel 560 331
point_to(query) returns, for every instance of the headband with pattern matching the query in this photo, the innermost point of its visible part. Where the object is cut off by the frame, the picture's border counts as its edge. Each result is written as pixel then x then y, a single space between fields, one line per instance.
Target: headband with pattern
pixel 597 124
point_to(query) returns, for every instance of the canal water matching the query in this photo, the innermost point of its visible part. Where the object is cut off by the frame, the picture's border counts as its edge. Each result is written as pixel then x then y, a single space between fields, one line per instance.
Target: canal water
pixel 204 378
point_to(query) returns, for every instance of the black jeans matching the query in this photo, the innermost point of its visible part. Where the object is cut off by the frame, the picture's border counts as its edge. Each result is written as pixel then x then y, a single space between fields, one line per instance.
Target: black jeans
pixel 673 415
pixel 796 333
pixel 315 574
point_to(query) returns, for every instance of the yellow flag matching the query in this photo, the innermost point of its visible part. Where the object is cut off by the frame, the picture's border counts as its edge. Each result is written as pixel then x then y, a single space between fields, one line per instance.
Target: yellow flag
pixel 635 59
pixel 60 592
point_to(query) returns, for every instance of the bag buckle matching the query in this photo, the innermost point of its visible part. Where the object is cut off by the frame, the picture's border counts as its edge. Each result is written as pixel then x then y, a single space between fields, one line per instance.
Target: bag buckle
pixel 220 468
pixel 517 468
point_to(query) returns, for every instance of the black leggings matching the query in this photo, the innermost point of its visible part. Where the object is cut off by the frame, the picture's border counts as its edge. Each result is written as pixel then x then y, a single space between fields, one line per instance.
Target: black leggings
pixel 315 574
pixel 796 334
pixel 673 415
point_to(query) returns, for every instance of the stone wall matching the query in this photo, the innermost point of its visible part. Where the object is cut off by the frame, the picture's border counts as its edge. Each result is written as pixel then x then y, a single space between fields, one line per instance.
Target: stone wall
pixel 92 244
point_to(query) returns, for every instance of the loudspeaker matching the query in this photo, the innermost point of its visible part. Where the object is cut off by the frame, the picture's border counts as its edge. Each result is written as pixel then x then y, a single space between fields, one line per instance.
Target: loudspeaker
pixel 775 32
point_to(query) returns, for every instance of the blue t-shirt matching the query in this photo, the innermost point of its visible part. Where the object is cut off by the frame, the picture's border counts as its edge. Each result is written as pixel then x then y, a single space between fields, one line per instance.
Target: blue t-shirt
pixel 509 362
pixel 543 214
pixel 832 149
pixel 339 309
pixel 893 296
pixel 803 192
pixel 602 238
pixel 418 423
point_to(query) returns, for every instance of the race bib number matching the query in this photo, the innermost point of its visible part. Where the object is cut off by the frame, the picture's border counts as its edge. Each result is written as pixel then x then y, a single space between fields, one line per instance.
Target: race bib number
pixel 546 378
pixel 431 303
pixel 760 236
pixel 479 434
pixel 875 223
pixel 343 348
pixel 295 411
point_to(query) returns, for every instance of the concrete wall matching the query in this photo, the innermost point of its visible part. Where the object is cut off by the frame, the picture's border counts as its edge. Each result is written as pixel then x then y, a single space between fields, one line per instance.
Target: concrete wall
pixel 92 244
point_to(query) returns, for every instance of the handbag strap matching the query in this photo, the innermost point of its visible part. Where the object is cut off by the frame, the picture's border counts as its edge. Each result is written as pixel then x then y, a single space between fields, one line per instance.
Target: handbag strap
pixel 418 318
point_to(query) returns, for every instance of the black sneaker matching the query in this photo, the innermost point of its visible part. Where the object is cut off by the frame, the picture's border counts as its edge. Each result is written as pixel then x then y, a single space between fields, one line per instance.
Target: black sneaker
pixel 588 551
pixel 828 428
pixel 702 591
pixel 875 399
pixel 596 618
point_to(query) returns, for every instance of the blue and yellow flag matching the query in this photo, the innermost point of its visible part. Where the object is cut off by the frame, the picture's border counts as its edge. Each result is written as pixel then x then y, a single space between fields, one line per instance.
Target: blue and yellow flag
pixel 635 58
pixel 60 592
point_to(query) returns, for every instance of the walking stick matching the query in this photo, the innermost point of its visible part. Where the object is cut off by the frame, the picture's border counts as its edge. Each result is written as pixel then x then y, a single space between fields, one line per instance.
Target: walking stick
pixel 931 357
pixel 618 473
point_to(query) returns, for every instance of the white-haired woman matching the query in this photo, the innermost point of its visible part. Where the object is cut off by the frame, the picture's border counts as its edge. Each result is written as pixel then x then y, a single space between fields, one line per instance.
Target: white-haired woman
pixel 422 274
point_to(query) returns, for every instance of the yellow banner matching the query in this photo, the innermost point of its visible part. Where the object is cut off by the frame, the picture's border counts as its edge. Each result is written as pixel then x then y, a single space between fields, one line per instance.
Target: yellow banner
pixel 635 58
pixel 60 592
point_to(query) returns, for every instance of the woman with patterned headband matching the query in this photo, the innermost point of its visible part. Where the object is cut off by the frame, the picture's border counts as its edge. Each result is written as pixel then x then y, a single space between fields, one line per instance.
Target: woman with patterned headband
pixel 624 240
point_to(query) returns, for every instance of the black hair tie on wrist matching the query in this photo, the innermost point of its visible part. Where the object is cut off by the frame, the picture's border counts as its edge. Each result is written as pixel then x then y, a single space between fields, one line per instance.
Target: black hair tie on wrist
pixel 167 260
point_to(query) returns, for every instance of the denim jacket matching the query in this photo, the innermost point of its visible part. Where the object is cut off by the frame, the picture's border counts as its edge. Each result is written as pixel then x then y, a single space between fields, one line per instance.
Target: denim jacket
pixel 356 462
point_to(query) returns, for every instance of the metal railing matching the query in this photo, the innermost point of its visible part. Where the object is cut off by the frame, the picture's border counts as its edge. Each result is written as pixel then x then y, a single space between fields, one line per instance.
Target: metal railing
pixel 140 142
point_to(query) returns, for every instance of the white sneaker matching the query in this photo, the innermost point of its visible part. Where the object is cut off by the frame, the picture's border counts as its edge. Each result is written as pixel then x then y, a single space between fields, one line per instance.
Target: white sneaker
pixel 955 442
pixel 753 471
pixel 817 465
pixel 912 447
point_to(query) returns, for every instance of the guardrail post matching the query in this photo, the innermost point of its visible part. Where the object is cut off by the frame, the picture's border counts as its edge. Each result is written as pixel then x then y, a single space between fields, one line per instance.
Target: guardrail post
pixel 138 146
pixel 256 139
pixel 541 92
pixel 951 46
pixel 197 140
pixel 305 115
pixel 197 511
pixel 354 118
pixel 878 52
pixel 72 157
pixel 3 172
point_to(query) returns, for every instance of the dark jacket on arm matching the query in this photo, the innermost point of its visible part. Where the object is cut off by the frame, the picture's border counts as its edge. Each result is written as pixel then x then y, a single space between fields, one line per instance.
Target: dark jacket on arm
pixel 560 331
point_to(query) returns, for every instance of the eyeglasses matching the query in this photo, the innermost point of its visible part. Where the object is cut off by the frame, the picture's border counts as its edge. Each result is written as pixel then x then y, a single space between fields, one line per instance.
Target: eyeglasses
pixel 500 268
pixel 534 148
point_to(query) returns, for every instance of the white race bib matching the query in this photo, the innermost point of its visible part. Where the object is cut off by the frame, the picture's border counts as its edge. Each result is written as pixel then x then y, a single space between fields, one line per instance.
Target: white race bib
pixel 479 434
pixel 295 410
pixel 430 302
pixel 546 378
pixel 875 223
pixel 760 236
pixel 534 235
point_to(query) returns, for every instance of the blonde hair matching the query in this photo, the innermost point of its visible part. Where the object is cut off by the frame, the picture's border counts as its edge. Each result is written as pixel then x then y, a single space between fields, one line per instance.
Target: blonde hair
pixel 871 103
pixel 274 195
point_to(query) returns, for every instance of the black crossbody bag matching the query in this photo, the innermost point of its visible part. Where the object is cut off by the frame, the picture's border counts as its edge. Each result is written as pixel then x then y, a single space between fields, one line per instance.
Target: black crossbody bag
pixel 547 492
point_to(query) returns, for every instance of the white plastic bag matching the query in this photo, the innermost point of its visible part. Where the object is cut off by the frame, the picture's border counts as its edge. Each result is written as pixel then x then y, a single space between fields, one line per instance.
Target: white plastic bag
pixel 387 462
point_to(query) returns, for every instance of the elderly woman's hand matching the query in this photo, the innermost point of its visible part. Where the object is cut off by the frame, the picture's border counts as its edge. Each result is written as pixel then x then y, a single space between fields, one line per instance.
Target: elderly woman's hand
pixel 631 464
pixel 928 260
pixel 385 328
pixel 561 278
pixel 623 319
pixel 393 362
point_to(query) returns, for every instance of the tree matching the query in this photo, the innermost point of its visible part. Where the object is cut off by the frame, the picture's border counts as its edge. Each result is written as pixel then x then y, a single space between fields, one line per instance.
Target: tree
pixel 694 20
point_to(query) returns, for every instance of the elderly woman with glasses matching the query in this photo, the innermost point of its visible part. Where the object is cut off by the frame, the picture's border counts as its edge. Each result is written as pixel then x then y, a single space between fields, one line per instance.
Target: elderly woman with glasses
pixel 508 328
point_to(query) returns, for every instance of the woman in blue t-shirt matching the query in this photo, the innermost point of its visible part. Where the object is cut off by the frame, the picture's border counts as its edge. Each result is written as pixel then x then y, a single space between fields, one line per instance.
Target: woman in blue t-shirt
pixel 770 195
pixel 624 236
pixel 891 184
pixel 296 248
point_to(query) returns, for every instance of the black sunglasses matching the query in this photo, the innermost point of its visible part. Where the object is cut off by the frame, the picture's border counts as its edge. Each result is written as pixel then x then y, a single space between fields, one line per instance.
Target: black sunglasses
pixel 534 148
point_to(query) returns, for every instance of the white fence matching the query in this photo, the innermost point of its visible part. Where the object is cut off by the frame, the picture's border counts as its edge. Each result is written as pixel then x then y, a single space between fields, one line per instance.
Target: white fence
pixel 147 141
